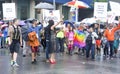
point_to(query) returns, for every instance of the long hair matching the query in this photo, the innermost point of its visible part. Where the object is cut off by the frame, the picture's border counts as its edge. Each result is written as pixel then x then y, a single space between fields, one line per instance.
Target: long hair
pixel 50 24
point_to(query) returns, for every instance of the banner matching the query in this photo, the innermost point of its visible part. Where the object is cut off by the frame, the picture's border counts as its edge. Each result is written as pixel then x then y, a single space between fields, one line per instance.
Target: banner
pixel 100 10
pixel 51 15
pixel 9 12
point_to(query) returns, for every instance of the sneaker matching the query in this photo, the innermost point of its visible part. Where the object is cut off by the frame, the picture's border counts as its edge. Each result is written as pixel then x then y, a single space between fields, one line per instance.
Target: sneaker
pixel 15 64
pixel 35 61
pixel 11 63
pixel 24 55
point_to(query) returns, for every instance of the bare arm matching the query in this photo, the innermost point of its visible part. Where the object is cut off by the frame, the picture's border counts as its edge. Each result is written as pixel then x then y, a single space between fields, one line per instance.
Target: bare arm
pixel 20 36
pixel 52 28
pixel 10 31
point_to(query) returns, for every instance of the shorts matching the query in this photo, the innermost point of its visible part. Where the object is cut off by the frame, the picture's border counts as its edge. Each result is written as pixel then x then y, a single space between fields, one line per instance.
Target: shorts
pixel 98 42
pixel 34 49
pixel 14 47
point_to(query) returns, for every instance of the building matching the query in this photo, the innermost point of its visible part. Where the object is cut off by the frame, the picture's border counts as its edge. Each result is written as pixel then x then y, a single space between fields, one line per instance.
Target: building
pixel 25 8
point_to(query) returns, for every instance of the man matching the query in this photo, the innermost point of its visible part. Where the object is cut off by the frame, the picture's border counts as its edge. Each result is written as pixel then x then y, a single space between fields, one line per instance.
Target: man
pixel 109 34
pixel 15 40
pixel 90 43
pixel 35 28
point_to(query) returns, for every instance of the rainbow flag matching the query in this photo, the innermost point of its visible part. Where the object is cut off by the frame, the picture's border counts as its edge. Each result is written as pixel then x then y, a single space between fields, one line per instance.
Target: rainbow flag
pixel 79 39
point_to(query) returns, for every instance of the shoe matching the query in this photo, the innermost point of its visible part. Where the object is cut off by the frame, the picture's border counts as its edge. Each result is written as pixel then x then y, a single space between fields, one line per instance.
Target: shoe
pixel 52 62
pixel 15 64
pixel 11 63
pixel 32 62
pixel 24 55
pixel 38 54
pixel 35 61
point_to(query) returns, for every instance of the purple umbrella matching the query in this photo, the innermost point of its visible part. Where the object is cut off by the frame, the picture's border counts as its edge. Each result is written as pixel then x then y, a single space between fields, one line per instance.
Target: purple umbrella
pixel 22 23
pixel 1 22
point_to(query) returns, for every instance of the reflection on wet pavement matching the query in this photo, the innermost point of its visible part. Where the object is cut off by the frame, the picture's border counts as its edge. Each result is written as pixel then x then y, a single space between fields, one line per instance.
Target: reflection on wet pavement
pixel 65 65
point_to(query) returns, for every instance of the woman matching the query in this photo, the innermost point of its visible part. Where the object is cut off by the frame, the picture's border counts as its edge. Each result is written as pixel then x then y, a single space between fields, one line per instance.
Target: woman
pixel 50 41
pixel 98 40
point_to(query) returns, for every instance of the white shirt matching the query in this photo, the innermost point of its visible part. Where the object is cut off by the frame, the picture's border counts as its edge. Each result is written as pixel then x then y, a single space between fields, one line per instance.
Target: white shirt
pixel 94 35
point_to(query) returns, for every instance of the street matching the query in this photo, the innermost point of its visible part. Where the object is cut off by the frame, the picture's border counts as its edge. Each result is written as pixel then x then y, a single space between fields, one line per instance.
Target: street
pixel 65 65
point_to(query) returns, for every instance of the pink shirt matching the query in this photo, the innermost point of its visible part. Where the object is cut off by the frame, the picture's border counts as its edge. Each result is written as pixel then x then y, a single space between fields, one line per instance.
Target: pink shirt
pixel 70 35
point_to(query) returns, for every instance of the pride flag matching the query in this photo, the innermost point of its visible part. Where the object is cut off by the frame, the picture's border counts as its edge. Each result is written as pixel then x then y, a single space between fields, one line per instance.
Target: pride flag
pixel 79 39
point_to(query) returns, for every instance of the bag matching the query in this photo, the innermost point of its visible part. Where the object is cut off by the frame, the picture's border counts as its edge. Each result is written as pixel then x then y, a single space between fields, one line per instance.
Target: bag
pixel 89 39
pixel 32 36
pixel 33 40
pixel 25 31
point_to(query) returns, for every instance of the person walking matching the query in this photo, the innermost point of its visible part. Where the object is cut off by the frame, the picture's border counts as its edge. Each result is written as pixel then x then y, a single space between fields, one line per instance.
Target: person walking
pixel 34 39
pixel 15 41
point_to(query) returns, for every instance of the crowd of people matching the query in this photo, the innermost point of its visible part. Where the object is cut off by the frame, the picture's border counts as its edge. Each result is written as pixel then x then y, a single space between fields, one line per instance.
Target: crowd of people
pixel 67 39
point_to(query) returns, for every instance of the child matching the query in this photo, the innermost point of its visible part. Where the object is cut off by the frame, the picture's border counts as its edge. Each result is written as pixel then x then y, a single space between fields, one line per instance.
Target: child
pixel 105 46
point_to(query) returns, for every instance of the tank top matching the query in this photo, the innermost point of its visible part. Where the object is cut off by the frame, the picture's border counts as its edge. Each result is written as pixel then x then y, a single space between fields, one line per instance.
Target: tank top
pixel 16 33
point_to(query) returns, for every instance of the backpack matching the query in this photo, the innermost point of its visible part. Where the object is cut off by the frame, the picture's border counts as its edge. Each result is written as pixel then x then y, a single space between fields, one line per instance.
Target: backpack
pixel 32 36
pixel 89 39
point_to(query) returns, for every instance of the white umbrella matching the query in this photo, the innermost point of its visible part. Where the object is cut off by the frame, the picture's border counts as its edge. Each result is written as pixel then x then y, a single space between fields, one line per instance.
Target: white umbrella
pixel 44 6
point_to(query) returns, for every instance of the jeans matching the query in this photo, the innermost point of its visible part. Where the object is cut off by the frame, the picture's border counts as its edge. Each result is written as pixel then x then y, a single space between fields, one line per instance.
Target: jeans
pixel 106 49
pixel 60 45
pixel 111 48
pixel 92 48
pixel 0 41
pixel 47 49
pixel 3 42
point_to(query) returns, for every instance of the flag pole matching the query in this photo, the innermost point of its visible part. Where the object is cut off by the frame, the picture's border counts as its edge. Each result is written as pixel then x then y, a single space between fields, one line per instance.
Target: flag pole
pixel 76 14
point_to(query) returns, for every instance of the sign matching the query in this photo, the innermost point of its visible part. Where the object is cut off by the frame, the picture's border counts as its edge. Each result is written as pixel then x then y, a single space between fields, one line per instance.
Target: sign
pixel 100 10
pixel 50 15
pixel 110 17
pixel 9 12
pixel 73 13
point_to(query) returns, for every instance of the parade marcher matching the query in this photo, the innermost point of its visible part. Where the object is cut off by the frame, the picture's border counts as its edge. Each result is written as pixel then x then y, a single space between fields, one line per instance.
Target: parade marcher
pixel 15 40
pixel 25 31
pixel 98 40
pixel 34 31
pixel 70 37
pixel 79 39
pixel 50 41
pixel 60 40
pixel 116 42
pixel 90 43
pixel 109 34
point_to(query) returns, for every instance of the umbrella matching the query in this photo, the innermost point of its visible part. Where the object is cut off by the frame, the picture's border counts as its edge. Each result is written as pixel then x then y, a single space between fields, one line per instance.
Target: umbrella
pixel 89 20
pixel 1 22
pixel 4 26
pixel 44 6
pixel 77 4
pixel 22 23
pixel 69 22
